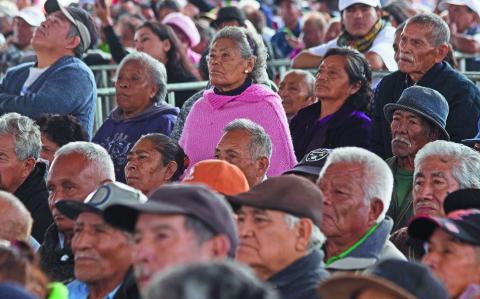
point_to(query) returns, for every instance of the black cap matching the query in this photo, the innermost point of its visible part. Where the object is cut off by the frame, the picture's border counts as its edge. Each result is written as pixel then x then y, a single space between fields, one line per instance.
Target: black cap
pixel 185 199
pixel 461 200
pixel 464 225
pixel 227 14
pixel 290 194
pixel 312 163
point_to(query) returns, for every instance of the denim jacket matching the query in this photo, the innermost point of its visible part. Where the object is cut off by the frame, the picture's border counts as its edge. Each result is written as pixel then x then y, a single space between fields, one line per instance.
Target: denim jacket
pixel 66 87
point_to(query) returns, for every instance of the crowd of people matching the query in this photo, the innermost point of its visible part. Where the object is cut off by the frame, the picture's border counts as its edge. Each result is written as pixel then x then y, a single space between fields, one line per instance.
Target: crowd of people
pixel 323 183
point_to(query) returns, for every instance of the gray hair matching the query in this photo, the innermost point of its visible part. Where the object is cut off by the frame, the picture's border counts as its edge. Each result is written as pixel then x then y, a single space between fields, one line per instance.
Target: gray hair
pixel 317 238
pixel 25 133
pixel 377 178
pixel 250 45
pixel 207 280
pixel 465 161
pixel 154 68
pixel 199 229
pixel 308 78
pixel 97 156
pixel 440 33
pixel 260 142
pixel 16 223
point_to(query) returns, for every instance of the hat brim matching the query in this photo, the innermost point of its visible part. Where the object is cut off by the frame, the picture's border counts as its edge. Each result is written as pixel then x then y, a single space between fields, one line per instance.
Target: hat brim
pixel 371 3
pixel 304 169
pixel 72 208
pixel 390 108
pixel 344 286
pixel 445 3
pixel 124 216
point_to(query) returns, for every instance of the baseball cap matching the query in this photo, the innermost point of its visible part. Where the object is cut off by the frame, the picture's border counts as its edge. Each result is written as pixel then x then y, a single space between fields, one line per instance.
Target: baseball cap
pixel 8 9
pixel 342 4
pixel 312 163
pixel 472 4
pixel 195 200
pixel 464 225
pixel 80 18
pixel 97 201
pixel 219 175
pixel 32 15
pixel 290 194
pixel 461 200
pixel 402 279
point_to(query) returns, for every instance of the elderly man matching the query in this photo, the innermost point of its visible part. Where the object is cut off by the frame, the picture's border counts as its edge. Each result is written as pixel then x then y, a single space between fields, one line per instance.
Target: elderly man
pixel 20 173
pixel 364 31
pixel 20 50
pixel 78 169
pixel 59 82
pixel 297 91
pixel 185 223
pixel 453 249
pixel 103 254
pixel 418 117
pixel 16 222
pixel 246 145
pixel 441 167
pixel 280 239
pixel 423 46
pixel 357 189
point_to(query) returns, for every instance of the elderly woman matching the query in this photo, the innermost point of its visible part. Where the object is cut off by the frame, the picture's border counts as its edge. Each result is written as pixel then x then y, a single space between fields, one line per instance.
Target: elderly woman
pixel 154 160
pixel 237 67
pixel 338 119
pixel 140 91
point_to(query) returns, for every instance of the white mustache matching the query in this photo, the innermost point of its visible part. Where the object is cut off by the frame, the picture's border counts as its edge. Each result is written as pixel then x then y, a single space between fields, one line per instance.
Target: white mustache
pixel 140 271
pixel 85 254
pixel 405 57
pixel 402 139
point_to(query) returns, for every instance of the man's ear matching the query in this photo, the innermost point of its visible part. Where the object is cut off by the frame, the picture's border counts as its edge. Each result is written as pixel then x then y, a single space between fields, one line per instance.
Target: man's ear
pixel 262 164
pixel 441 52
pixel 376 208
pixel 73 42
pixel 27 167
pixel 304 230
pixel 217 247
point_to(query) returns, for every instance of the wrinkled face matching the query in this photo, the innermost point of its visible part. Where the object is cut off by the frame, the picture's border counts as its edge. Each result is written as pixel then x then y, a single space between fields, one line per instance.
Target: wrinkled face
pixel 396 46
pixel 332 82
pixel 290 12
pixel 70 177
pixel 48 149
pixel 165 234
pixel 312 35
pixel 13 172
pixel 417 55
pixel 234 147
pixel 432 183
pixel 409 133
pixel 345 210
pixel 134 89
pixel 145 170
pixel 53 32
pixel 22 32
pixel 359 19
pixel 102 253
pixel 461 16
pixel 455 263
pixel 294 92
pixel 226 67
pixel 148 42
pixel 266 242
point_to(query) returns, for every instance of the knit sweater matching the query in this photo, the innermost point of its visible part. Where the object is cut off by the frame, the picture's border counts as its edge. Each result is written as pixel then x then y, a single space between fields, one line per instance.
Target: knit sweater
pixel 209 115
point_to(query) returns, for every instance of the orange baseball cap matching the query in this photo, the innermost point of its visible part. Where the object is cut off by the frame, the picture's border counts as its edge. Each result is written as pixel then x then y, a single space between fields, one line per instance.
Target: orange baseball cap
pixel 219 175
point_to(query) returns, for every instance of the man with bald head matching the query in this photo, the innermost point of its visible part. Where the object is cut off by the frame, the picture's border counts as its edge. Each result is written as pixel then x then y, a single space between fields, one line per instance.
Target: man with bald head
pixel 16 221
pixel 78 168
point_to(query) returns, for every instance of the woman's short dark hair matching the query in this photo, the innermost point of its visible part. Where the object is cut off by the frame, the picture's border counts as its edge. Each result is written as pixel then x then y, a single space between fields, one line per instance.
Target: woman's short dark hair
pixel 170 151
pixel 358 71
pixel 61 129
pixel 177 60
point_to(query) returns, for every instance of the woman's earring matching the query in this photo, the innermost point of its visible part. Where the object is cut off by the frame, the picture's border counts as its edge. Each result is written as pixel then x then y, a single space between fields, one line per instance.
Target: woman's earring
pixel 245 71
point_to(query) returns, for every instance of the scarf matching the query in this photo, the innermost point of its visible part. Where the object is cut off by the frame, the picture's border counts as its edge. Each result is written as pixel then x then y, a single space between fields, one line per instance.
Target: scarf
pixel 364 43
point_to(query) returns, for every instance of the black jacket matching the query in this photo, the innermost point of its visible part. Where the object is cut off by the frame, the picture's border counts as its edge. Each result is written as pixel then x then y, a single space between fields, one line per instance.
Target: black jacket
pixel 462 95
pixel 300 279
pixel 34 195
